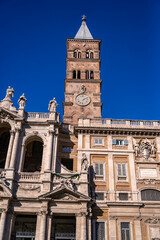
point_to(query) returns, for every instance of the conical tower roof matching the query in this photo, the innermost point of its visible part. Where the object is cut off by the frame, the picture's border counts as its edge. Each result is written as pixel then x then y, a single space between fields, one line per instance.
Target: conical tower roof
pixel 83 32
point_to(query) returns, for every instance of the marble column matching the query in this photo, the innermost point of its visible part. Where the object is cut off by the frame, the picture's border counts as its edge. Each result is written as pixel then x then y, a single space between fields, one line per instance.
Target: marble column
pixel 10 146
pixel 8 227
pixel 14 150
pixel 83 227
pixel 78 226
pixel 23 151
pixel 54 158
pixel 89 227
pixel 38 226
pixel 2 224
pixel 49 225
pixel 50 148
pixel 42 235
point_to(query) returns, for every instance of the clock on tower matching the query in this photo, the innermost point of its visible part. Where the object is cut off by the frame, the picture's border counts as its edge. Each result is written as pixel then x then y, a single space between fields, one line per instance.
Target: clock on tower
pixel 82 83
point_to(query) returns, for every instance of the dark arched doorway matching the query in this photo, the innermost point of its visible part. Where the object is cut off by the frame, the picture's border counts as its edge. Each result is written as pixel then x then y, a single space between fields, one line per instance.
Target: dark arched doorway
pixel 33 156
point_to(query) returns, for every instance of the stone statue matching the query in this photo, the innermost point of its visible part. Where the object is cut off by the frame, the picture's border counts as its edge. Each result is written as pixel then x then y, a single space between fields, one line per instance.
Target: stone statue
pixel 22 100
pixel 9 93
pixel 7 102
pixel 53 105
pixel 84 163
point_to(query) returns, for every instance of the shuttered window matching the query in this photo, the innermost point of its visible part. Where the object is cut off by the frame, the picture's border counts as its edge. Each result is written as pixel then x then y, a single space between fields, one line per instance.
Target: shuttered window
pixel 119 142
pixel 99 169
pixel 100 231
pixel 121 171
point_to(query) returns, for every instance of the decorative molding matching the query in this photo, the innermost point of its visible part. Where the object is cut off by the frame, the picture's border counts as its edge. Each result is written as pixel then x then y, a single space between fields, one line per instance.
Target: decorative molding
pixel 30 187
pixel 148 181
pixel 152 220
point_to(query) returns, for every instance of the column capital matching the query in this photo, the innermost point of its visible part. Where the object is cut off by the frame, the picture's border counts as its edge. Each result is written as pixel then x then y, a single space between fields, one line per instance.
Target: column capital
pixel 3 210
pixel 81 214
pixel 12 132
pixel 40 213
pixel 51 132
pixel 113 218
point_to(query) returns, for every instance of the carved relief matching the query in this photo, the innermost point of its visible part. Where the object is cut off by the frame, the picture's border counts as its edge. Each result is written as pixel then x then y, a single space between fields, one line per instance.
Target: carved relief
pixel 145 150
pixel 152 220
pixel 148 181
pixel 67 183
pixel 30 187
pixel 65 196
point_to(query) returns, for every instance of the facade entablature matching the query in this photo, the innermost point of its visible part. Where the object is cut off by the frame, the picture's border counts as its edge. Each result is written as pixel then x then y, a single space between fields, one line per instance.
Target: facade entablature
pixel 116 123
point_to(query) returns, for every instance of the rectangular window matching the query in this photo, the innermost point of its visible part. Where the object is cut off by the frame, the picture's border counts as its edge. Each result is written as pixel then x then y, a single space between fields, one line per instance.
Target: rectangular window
pixel 123 196
pixel 98 141
pixel 99 196
pixel 119 142
pixel 67 149
pixel 125 231
pixel 100 231
pixel 98 168
pixel 121 171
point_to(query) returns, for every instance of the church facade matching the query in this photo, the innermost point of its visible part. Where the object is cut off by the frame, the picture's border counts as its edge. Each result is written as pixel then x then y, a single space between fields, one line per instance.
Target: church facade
pixel 85 178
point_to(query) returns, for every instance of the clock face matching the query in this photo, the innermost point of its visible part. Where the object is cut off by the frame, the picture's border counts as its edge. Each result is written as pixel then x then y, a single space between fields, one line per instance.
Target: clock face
pixel 82 100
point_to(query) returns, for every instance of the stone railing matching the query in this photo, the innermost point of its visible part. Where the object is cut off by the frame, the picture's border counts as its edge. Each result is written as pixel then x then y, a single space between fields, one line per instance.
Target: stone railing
pixel 65 235
pixel 31 116
pixel 42 117
pixel 29 177
pixel 116 123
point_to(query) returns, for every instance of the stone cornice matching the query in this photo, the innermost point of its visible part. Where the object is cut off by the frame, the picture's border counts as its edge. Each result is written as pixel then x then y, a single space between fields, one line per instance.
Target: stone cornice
pixel 87 60
pixel 118 131
pixel 83 80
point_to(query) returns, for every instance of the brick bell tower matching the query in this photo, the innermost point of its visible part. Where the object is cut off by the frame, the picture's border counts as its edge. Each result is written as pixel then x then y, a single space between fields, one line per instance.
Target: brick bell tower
pixel 82 83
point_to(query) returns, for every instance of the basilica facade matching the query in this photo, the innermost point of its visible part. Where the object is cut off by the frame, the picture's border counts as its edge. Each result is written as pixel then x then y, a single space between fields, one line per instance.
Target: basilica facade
pixel 83 178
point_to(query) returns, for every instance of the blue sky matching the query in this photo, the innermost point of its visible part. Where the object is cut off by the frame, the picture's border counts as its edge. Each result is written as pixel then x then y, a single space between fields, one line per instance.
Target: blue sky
pixel 33 51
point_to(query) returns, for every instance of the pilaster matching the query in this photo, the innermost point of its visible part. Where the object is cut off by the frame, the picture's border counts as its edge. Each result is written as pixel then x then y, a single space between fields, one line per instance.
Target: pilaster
pixel 2 224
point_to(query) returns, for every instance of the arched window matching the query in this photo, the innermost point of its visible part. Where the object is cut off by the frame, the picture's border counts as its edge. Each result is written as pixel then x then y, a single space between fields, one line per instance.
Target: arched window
pixel 4 142
pixel 87 54
pixel 87 74
pixel 78 74
pixel 150 195
pixel 74 74
pixel 33 156
pixel 77 53
pixel 91 75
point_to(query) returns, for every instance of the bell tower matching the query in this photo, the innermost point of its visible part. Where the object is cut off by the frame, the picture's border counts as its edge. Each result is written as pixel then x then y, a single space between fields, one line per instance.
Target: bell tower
pixel 82 83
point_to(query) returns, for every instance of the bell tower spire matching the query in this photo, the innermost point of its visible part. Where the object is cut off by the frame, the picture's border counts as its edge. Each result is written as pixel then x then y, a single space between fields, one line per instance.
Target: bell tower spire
pixel 83 32
pixel 82 83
